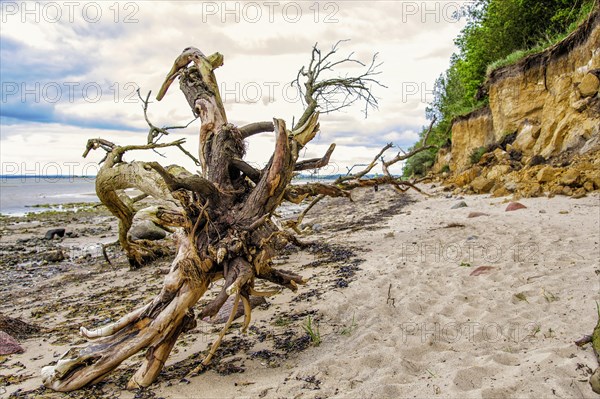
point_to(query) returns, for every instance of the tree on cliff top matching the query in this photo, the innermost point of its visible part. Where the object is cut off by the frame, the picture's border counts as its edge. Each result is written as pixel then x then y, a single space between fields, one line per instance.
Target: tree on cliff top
pixel 495 30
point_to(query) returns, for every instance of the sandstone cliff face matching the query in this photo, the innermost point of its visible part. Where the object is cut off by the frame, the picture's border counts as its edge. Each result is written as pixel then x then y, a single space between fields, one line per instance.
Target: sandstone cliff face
pixel 472 131
pixel 549 99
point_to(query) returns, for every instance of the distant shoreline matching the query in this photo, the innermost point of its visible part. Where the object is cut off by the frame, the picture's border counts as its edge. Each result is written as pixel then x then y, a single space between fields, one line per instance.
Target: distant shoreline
pixel 23 194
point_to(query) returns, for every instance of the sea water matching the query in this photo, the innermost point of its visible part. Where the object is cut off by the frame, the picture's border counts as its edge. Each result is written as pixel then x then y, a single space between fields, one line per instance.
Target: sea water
pixel 19 195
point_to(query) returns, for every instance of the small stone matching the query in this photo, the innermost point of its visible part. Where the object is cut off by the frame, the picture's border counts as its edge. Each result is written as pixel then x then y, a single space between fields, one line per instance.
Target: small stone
pixel 557 190
pixel 50 234
pixel 501 191
pixel 513 206
pixel 476 214
pixel 498 171
pixel 596 180
pixel 546 174
pixel 567 190
pixel 467 176
pixel 543 211
pixel 482 270
pixel 579 193
pixel 532 190
pixel 501 155
pixel 54 256
pixel 486 159
pixel 563 212
pixel 589 85
pixel 461 204
pixel 482 185
pixel 389 235
pixel 569 177
pixel 511 186
pixel 146 230
pixel 588 186
pixel 9 345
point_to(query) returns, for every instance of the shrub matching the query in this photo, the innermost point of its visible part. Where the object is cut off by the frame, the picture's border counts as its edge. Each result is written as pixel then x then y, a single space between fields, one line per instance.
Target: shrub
pixel 476 154
pixel 419 164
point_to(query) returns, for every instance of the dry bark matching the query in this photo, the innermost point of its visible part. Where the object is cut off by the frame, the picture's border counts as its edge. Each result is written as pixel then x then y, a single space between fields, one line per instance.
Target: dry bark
pixel 224 217
pixel 226 231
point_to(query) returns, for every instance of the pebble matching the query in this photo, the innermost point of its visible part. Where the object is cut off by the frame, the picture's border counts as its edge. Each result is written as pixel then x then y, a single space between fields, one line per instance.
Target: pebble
pixel 482 270
pixel 54 256
pixel 461 204
pixel 476 214
pixel 9 345
pixel 50 234
pixel 514 206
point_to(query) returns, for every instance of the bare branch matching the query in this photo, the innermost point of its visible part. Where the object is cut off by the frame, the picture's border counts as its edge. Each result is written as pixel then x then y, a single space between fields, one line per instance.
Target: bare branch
pixel 335 93
pixel 155 133
pixel 315 163
pixel 255 128
pixel 116 152
pixel 377 181
pixel 414 151
pixel 363 172
pixel 192 183
pixel 94 144
pixel 312 189
pixel 252 173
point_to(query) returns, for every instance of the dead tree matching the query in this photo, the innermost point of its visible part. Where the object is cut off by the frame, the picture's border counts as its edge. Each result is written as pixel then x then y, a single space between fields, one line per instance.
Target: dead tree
pixel 223 217
pixel 320 90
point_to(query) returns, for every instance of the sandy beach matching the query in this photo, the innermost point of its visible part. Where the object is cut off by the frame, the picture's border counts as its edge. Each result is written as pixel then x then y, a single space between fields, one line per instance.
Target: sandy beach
pixel 397 293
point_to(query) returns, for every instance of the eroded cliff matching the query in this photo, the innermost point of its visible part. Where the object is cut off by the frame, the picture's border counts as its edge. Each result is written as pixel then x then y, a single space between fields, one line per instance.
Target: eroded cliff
pixel 543 111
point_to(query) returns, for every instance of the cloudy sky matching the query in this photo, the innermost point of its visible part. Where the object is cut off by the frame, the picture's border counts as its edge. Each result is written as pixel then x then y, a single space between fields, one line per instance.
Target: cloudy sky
pixel 70 70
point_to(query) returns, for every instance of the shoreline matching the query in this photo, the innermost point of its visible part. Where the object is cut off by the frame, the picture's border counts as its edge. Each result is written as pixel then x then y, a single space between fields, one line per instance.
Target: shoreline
pixel 390 287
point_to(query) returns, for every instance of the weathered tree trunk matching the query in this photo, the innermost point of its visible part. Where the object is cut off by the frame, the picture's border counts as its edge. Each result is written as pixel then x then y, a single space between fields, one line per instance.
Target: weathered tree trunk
pixel 224 216
pixel 226 233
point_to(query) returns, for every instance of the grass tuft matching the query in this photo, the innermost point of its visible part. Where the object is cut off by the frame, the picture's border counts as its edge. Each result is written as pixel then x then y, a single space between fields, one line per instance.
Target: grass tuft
pixel 313 331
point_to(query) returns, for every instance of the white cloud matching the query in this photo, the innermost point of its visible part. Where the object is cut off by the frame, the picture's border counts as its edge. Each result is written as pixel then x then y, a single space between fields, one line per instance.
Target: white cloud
pixel 265 54
pixel 407 136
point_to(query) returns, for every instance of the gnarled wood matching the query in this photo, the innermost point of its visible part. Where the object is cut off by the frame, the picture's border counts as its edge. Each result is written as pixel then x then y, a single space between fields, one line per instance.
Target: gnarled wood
pixel 223 217
pixel 225 232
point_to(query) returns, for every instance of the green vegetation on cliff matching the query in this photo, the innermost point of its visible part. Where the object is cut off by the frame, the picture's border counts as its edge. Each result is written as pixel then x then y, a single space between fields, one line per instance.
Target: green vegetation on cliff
pixel 498 33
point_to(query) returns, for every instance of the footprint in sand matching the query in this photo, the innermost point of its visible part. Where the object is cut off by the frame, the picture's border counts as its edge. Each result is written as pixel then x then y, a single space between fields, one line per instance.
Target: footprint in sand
pixel 472 378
